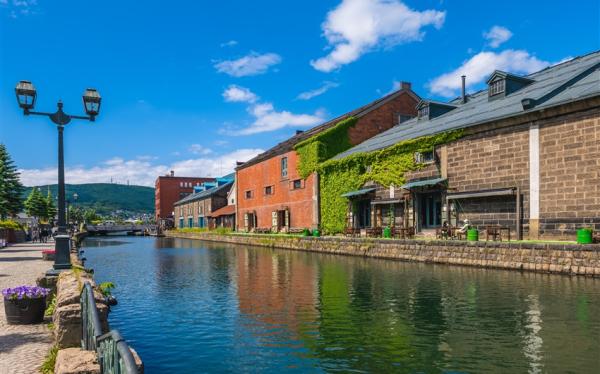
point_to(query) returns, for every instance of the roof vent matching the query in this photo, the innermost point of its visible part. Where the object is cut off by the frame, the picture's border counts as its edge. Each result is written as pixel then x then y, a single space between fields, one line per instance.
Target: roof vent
pixel 463 92
pixel 528 103
pixel 298 132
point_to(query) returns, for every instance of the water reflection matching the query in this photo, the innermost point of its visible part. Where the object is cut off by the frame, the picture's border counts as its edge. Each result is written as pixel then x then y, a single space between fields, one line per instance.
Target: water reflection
pixel 188 305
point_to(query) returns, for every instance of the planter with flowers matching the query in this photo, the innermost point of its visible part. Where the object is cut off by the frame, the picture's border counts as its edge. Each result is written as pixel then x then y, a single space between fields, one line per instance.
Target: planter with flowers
pixel 24 304
pixel 48 255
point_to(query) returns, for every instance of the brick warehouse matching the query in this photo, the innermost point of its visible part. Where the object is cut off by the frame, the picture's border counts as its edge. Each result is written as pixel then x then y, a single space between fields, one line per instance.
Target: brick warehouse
pixel 168 189
pixel 271 194
pixel 528 158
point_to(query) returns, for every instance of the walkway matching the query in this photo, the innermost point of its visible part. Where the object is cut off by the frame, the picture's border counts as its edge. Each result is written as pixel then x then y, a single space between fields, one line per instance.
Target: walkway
pixel 22 347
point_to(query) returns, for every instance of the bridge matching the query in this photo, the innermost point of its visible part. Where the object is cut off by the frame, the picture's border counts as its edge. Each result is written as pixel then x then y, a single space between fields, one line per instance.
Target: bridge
pixel 114 229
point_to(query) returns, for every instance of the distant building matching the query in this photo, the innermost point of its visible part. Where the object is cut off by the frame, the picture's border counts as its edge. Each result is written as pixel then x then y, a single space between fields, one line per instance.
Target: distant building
pixel 169 189
pixel 197 209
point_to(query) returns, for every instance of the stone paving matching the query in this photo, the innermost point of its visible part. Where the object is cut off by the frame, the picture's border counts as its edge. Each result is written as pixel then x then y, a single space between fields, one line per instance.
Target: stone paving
pixel 22 347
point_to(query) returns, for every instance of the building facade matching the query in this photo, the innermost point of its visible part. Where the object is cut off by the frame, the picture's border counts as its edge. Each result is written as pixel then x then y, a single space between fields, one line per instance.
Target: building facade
pixel 526 158
pixel 272 193
pixel 168 189
pixel 195 210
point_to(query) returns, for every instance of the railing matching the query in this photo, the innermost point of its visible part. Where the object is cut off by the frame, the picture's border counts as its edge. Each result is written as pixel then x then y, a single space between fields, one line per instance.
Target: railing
pixel 114 354
pixel 91 328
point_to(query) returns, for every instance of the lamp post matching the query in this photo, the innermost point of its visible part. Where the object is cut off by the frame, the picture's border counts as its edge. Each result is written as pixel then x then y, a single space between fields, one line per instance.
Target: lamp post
pixel 26 97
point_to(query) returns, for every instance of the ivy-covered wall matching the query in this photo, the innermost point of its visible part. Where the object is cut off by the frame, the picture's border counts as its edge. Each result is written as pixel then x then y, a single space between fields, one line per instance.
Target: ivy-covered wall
pixel 384 166
pixel 323 146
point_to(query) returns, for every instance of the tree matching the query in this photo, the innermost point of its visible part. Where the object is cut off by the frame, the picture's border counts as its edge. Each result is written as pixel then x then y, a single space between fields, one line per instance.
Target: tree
pixel 11 188
pixel 50 207
pixel 35 205
pixel 90 215
pixel 75 214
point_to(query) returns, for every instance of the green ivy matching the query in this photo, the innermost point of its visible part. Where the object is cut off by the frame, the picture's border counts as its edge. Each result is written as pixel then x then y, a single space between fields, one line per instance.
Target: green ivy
pixel 323 146
pixel 384 167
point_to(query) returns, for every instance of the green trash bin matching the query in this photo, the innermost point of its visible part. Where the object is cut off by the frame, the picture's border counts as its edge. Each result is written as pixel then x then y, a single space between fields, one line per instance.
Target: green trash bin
pixel 472 235
pixel 584 236
pixel 387 233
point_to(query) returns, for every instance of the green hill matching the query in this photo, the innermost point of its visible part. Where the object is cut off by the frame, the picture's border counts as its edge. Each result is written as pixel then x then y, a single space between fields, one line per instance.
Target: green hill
pixel 106 197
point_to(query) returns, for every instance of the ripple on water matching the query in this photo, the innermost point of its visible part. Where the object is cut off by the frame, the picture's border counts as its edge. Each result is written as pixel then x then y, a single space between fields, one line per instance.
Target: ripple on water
pixel 188 306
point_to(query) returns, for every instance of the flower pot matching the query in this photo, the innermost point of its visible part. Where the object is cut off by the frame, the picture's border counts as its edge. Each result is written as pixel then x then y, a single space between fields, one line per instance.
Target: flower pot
pixel 25 311
pixel 472 235
pixel 387 233
pixel 584 236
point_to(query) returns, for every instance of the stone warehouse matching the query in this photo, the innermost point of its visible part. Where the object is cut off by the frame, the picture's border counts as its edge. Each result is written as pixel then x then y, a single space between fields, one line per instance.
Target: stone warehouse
pixel 197 209
pixel 523 154
pixel 274 193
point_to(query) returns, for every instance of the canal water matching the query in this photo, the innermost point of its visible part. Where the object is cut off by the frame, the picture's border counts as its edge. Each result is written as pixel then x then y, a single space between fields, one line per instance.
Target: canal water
pixel 191 307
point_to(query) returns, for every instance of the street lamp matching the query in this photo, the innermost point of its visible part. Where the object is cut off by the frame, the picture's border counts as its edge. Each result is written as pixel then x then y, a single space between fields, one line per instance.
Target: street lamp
pixel 26 96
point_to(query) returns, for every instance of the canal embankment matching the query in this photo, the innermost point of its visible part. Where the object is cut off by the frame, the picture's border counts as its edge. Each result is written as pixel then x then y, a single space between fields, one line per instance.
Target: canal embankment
pixel 555 258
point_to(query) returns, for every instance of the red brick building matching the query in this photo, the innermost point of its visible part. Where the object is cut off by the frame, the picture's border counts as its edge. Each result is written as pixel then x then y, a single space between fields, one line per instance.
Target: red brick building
pixel 271 195
pixel 168 189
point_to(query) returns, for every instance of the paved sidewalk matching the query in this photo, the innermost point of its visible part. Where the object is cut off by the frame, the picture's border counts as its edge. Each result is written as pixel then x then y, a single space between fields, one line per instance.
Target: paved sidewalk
pixel 22 347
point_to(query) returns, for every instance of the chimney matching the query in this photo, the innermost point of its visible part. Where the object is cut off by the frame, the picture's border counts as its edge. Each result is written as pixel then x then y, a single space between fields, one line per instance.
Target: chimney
pixel 298 132
pixel 172 173
pixel 463 93
pixel 405 85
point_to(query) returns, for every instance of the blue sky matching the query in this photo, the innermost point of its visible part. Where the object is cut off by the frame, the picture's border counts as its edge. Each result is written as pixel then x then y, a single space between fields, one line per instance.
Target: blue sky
pixel 194 85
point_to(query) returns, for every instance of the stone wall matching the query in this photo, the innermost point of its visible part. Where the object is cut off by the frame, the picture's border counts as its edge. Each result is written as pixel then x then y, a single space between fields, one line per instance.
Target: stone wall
pixel 570 174
pixel 568 259
pixel 488 160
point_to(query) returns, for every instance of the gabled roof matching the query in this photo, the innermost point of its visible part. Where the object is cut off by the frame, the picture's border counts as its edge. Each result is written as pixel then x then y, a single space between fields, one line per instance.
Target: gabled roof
pixel 425 102
pixel 204 194
pixel 505 75
pixel 570 81
pixel 289 144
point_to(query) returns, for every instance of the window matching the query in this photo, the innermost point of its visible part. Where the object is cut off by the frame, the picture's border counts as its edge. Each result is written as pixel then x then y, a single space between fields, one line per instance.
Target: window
pixel 284 167
pixel 424 112
pixel 403 118
pixel 269 190
pixel 496 87
pixel 248 194
pixel 427 157
pixel 297 184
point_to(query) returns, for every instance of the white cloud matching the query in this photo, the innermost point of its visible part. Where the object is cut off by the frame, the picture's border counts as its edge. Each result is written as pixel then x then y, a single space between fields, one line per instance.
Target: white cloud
pixel 318 91
pixel 480 66
pixel 235 93
pixel 199 149
pixel 497 35
pixel 357 26
pixel 139 172
pixel 229 43
pixel 20 7
pixel 251 64
pixel 266 118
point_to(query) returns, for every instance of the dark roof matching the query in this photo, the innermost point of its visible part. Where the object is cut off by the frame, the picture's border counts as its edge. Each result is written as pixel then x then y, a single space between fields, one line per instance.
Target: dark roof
pixel 227 210
pixel 567 82
pixel 289 144
pixel 204 194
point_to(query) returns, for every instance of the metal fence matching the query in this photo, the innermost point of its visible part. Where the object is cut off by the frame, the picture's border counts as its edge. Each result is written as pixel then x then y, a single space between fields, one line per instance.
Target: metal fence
pixel 114 354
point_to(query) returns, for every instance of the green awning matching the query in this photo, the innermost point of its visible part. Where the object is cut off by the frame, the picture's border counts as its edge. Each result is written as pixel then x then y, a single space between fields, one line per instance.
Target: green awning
pixel 421 183
pixel 358 192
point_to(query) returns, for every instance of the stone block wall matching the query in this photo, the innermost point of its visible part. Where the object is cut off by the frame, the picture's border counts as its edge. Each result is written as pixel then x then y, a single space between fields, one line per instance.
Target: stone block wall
pixel 489 160
pixel 570 174
pixel 567 259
